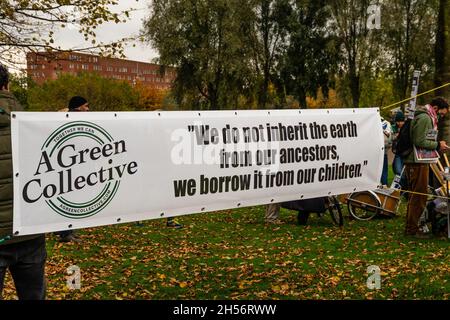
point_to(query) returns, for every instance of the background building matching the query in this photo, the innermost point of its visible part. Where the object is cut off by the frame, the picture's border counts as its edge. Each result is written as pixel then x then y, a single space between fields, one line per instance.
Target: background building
pixel 42 66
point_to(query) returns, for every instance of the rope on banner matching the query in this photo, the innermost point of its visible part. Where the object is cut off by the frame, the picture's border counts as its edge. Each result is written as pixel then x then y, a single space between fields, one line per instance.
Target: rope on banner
pixel 420 94
pixel 421 194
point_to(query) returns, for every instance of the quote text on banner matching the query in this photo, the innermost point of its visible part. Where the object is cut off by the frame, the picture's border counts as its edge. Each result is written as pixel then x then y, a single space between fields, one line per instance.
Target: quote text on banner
pixel 77 170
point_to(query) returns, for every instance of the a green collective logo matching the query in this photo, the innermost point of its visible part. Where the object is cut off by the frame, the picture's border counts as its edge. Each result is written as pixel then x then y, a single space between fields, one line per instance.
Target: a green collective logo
pixel 74 148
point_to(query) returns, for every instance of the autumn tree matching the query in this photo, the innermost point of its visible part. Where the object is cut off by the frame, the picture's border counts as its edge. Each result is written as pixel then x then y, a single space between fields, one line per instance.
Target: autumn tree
pixel 103 94
pixel 310 59
pixel 360 43
pixel 442 47
pixel 267 40
pixel 30 24
pixel 19 85
pixel 202 38
pixel 150 98
pixel 409 28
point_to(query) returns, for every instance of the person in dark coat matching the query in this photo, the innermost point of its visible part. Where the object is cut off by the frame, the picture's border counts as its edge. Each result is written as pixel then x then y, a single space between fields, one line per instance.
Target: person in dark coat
pixel 24 256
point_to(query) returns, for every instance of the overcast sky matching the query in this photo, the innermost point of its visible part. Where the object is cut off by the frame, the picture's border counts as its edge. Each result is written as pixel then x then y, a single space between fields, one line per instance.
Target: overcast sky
pixel 69 37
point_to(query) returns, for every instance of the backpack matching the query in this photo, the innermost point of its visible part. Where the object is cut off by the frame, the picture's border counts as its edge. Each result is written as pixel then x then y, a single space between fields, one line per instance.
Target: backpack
pixel 404 145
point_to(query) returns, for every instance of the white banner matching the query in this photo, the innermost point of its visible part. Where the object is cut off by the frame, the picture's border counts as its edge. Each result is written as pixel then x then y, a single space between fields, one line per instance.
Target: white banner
pixel 85 169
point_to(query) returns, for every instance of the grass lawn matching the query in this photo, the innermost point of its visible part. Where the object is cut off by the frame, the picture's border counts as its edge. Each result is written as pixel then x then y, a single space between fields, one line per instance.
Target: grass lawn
pixel 234 255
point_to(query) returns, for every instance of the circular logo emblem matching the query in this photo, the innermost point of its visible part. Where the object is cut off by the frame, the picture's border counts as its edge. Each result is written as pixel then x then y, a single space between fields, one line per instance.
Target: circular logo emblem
pixel 64 143
pixel 77 175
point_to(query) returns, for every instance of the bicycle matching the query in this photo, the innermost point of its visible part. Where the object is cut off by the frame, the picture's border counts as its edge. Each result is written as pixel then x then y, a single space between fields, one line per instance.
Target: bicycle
pixel 320 206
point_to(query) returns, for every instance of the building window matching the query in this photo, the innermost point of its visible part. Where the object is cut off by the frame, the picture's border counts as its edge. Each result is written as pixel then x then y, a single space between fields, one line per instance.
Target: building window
pixel 84 67
pixel 109 69
pixel 95 59
pixel 97 68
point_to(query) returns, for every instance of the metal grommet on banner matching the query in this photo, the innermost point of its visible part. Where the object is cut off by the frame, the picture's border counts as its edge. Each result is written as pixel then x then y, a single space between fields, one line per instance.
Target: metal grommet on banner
pixel 99 149
pixel 16 233
pixel 13 116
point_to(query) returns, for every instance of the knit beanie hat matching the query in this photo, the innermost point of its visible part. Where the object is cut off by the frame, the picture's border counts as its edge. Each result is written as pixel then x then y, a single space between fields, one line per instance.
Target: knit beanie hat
pixel 399 116
pixel 76 102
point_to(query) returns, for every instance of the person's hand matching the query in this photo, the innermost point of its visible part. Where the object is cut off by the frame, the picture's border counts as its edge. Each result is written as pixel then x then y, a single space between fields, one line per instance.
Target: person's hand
pixel 443 146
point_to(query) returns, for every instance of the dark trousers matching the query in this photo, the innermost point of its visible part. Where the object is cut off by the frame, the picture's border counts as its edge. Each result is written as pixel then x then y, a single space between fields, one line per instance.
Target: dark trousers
pixel 397 167
pixel 65 233
pixel 26 263
pixel 417 176
pixel 384 173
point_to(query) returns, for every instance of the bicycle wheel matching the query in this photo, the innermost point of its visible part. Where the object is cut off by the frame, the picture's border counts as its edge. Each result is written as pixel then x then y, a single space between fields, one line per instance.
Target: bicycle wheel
pixel 363 205
pixel 334 207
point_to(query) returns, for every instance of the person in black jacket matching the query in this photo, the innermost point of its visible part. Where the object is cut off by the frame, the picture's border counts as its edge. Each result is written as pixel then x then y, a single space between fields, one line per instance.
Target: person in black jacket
pixel 24 256
pixel 76 104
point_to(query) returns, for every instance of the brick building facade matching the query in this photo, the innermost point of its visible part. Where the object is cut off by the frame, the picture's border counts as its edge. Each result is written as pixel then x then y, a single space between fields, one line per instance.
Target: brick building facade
pixel 47 66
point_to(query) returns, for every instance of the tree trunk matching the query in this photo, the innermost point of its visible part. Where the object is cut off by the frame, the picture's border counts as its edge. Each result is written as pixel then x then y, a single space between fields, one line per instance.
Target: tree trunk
pixel 265 26
pixel 442 49
pixel 264 91
pixel 355 90
pixel 301 97
pixel 354 76
pixel 213 97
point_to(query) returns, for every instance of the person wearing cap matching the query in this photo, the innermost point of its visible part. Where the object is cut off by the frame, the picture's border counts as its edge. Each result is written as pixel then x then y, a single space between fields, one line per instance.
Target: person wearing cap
pixel 76 104
pixel 24 256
